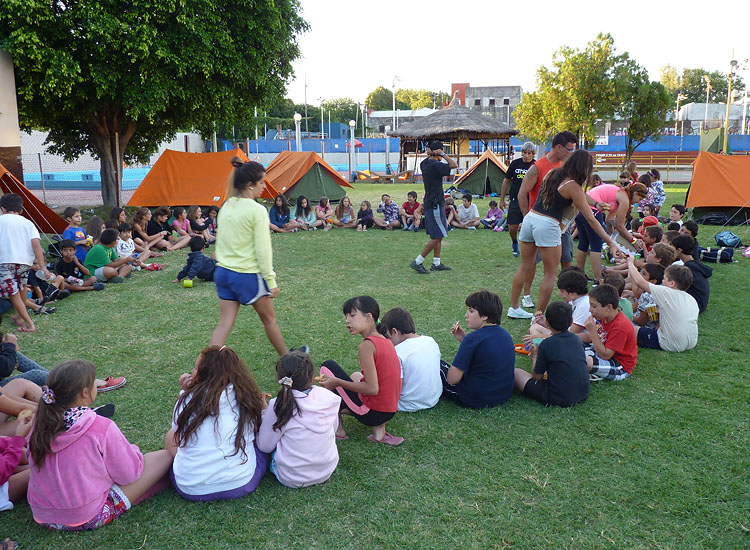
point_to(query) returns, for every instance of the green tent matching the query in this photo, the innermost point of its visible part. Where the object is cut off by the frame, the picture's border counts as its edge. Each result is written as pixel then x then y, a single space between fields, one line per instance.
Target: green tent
pixel 485 176
pixel 711 140
pixel 305 173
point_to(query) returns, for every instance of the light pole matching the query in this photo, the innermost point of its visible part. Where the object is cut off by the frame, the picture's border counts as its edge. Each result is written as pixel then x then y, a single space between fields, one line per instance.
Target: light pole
pixel 297 137
pixel 322 133
pixel 744 113
pixel 680 97
pixel 395 116
pixel 708 89
pixel 732 67
pixel 388 149
pixel 352 167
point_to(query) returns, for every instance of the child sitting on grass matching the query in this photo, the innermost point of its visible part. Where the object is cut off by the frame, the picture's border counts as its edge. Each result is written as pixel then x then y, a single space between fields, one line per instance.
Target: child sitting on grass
pixel 410 221
pixel 299 425
pixel 103 262
pixel 467 214
pixel 76 233
pixel 647 313
pixel 574 289
pixel 482 371
pixel 678 311
pixel 84 473
pixel 76 276
pixel 324 213
pixel 126 246
pixel 198 264
pixel 614 351
pixel 14 466
pixel 364 216
pixel 420 361
pixel 494 218
pixel 700 289
pixel 371 395
pixel 618 281
pixel 214 425
pixel 562 358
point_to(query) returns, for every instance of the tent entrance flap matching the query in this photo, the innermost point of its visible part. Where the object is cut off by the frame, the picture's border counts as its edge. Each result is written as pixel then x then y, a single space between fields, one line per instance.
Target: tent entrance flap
pixel 316 183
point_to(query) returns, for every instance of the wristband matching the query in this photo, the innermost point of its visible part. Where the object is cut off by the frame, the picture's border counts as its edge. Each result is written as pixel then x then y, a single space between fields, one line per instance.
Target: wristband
pixel 634 241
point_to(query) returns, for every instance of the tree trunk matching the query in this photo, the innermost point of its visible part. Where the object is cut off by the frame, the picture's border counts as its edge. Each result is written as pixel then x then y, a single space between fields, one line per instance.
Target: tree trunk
pixel 104 128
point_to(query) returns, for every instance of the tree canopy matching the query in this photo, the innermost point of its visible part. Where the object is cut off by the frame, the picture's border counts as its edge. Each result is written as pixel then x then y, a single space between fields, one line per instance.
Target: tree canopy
pixel 692 84
pixel 381 99
pixel 91 71
pixel 645 105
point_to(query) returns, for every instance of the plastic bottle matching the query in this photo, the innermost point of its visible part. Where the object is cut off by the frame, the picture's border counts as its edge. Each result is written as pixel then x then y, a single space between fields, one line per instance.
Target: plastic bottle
pixel 40 275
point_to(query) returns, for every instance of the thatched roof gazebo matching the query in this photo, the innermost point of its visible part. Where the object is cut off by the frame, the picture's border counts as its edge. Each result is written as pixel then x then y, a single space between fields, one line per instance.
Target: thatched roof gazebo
pixel 455 126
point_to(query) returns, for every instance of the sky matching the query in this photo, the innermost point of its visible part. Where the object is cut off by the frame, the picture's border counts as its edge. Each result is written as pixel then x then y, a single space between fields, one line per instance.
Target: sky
pixel 353 46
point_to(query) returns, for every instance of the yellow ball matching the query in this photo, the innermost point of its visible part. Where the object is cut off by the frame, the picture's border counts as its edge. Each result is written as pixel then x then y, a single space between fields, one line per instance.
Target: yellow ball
pixel 187 283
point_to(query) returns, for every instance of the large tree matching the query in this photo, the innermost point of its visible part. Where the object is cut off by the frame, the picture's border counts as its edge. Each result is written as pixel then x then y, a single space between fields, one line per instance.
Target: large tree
pixel 381 99
pixel 645 105
pixel 691 82
pixel 581 88
pixel 123 76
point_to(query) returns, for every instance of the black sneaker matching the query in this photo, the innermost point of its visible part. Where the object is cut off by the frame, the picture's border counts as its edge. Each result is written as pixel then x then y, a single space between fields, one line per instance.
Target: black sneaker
pixel 105 410
pixel 419 268
pixel 303 348
pixel 439 267
pixel 50 294
pixel 63 294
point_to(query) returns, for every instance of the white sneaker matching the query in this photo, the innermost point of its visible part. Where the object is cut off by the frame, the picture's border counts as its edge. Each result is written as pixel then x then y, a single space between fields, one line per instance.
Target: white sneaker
pixel 519 313
pixel 527 301
pixel 472 227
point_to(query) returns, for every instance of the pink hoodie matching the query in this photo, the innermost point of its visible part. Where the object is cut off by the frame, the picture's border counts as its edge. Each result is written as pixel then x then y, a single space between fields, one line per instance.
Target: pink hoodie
pixel 85 462
pixel 305 446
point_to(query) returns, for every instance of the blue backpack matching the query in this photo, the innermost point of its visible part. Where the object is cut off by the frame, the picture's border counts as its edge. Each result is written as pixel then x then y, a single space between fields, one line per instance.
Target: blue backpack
pixel 728 239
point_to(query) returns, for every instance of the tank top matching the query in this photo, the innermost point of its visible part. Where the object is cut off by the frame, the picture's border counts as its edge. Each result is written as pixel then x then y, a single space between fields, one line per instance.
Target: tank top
pixel 388 368
pixel 543 165
pixel 559 204
pixel 606 193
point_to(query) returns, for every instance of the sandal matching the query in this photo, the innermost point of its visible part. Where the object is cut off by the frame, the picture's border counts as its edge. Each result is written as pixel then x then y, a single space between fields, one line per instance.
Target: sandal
pixel 341 437
pixel 388 439
pixel 45 310
pixel 8 544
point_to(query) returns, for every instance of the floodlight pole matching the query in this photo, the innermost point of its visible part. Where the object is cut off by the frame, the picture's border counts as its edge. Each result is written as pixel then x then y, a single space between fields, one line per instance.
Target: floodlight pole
pixel 297 137
pixel 352 166
pixel 732 66
pixel 387 148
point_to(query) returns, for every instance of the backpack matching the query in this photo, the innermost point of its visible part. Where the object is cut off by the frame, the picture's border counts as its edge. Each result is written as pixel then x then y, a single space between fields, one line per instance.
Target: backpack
pixel 727 238
pixel 53 249
pixel 715 218
pixel 715 255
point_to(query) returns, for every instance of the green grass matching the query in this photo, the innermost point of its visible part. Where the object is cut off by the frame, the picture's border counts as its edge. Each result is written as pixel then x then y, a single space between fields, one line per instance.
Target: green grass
pixel 657 461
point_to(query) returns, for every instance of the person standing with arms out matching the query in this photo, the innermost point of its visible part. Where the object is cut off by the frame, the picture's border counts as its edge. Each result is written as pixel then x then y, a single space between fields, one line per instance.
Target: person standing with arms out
pixel 511 185
pixel 433 171
pixel 244 272
pixel 563 145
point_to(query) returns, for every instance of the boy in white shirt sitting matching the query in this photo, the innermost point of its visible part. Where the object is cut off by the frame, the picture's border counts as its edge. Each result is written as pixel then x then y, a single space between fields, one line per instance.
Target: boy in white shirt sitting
pixel 420 361
pixel 467 214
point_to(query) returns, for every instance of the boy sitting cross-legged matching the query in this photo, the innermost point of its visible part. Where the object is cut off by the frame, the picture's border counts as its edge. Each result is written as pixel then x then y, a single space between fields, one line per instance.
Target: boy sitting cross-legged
pixel 561 357
pixel 574 289
pixel 103 261
pixel 614 351
pixel 77 277
pixel 678 311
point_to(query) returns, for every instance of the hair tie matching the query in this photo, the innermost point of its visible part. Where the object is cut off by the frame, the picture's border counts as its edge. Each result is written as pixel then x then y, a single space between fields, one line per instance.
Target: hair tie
pixel 222 348
pixel 286 381
pixel 48 396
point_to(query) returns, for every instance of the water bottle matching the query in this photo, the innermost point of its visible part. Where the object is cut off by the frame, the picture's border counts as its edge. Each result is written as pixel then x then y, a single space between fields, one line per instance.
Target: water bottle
pixel 74 281
pixel 40 276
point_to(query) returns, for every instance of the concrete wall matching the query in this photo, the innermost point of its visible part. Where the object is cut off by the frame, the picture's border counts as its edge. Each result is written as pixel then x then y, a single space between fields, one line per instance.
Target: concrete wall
pixel 10 135
pixel 498 111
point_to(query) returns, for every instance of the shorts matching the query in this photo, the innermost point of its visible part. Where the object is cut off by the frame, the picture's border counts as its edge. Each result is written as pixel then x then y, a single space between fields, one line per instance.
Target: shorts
pixel 351 401
pixel 115 506
pixel 245 288
pixel 514 216
pixel 435 223
pixel 13 277
pixel 543 231
pixel 537 389
pixel 566 252
pixel 648 338
pixel 609 369
pixel 272 468
pixel 588 239
pixel 99 274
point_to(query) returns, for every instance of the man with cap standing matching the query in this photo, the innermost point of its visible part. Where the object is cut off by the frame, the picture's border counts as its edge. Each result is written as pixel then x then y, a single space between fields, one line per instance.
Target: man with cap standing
pixel 433 171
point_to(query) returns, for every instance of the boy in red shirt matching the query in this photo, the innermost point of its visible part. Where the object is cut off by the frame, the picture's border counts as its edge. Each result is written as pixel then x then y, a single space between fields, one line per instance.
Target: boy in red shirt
pixel 614 350
pixel 410 221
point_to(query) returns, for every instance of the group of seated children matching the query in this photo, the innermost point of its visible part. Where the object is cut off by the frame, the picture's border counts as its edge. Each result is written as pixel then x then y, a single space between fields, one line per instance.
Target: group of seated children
pixel 409 216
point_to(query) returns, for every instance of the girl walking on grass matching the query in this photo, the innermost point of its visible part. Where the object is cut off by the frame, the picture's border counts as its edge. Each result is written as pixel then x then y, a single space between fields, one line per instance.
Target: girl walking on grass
pixel 371 395
pixel 299 425
pixel 213 430
pixel 244 271
pixel 84 473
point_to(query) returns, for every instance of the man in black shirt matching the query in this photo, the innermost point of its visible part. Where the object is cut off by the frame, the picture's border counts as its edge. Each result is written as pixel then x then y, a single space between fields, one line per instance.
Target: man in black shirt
pixel 511 184
pixel 433 171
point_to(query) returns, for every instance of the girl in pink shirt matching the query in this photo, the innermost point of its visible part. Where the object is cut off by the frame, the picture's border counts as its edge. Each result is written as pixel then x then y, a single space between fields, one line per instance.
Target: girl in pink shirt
pixel 84 473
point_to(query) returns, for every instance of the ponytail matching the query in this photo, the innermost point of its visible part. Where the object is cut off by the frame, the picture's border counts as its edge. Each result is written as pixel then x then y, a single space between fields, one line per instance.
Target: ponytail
pixel 294 371
pixel 64 384
pixel 636 189
pixel 244 175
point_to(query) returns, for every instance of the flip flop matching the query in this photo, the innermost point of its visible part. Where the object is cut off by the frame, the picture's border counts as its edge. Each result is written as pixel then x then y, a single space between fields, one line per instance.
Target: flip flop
pixel 341 437
pixel 388 439
pixel 16 322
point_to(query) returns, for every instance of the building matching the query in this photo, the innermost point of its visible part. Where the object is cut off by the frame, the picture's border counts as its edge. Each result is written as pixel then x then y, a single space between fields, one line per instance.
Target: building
pixel 378 120
pixel 497 102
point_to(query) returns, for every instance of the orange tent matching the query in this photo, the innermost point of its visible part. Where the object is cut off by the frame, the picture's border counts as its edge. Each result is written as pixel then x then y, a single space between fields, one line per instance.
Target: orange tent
pixel 179 178
pixel 721 183
pixel 305 173
pixel 43 217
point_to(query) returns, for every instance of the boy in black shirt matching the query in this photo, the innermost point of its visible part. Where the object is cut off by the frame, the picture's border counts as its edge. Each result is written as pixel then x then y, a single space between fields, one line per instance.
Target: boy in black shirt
pixel 77 277
pixel 561 357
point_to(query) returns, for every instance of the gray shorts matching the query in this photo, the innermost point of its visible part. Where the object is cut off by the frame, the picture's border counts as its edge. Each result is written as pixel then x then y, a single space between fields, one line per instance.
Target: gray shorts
pixel 566 256
pixel 543 231
pixel 99 274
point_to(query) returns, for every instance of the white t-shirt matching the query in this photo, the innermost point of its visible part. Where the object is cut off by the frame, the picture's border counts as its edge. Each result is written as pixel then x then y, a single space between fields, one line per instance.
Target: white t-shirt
pixel 204 464
pixel 678 318
pixel 581 311
pixel 124 248
pixel 16 233
pixel 420 370
pixel 466 214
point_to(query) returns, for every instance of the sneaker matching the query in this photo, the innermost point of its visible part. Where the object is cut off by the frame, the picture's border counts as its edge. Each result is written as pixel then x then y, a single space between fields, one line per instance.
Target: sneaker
pixel 594 377
pixel 50 294
pixel 63 294
pixel 439 267
pixel 519 313
pixel 112 383
pixel 98 286
pixel 474 228
pixel 105 410
pixel 526 301
pixel 303 348
pixel 117 279
pixel 419 268
pixel 514 247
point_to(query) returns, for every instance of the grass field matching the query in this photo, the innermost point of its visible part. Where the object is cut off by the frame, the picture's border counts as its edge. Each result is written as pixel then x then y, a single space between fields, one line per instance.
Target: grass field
pixel 658 461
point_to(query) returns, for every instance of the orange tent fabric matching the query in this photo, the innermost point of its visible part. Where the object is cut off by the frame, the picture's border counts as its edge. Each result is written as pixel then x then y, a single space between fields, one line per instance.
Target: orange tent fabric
pixel 287 169
pixel 720 180
pixel 45 219
pixel 180 178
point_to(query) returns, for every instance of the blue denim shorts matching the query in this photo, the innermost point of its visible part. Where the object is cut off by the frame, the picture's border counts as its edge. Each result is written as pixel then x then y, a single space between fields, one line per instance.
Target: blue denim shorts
pixel 245 288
